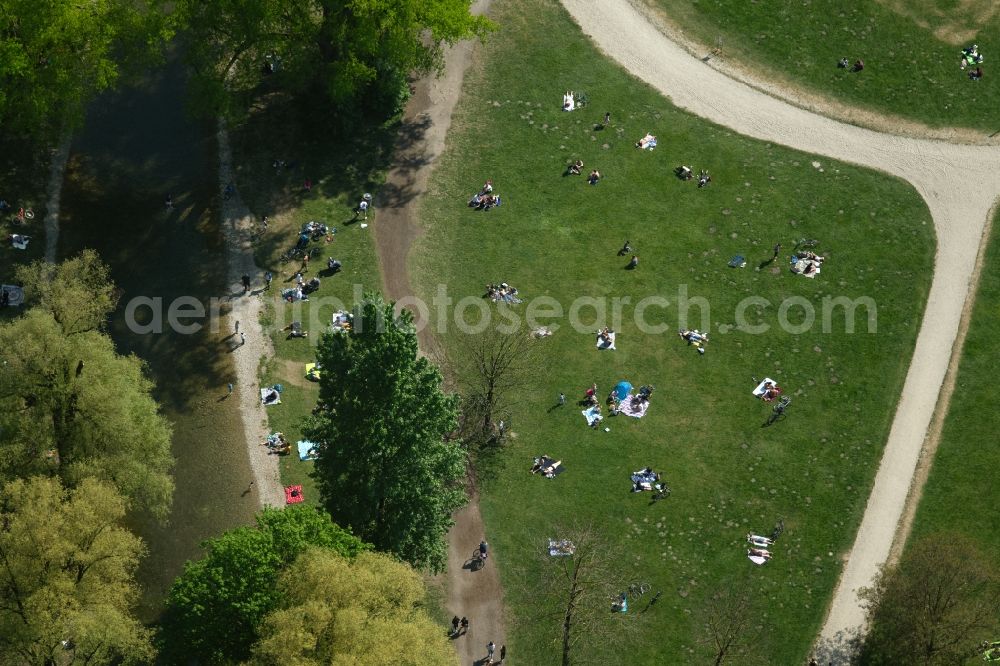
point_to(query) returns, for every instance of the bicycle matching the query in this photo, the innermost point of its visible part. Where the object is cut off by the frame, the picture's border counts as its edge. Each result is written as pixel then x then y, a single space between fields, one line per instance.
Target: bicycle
pixel 636 590
pixel 779 410
pixel 663 492
pixel 22 215
pixel 806 243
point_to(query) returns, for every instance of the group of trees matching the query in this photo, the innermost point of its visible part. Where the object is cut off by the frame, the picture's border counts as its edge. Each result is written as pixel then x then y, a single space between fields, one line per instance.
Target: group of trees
pixel 56 56
pixel 297 588
pixel 82 444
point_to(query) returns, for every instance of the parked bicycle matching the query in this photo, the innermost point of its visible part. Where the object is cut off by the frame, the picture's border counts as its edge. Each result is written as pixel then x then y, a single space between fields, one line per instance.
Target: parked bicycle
pixel 806 243
pixel 779 410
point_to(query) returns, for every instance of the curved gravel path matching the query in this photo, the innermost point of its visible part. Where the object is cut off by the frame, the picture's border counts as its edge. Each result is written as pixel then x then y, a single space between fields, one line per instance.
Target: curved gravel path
pixel 959 183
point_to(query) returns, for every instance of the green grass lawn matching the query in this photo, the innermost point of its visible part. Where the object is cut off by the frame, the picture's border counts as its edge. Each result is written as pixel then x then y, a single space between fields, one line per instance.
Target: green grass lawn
pixel 556 236
pixel 962 492
pixel 910 49
pixel 341 171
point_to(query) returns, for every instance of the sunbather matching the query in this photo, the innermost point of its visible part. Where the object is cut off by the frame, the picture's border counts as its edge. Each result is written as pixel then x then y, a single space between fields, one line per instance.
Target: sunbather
pixel 568 102
pixel 575 168
pixel 703 178
pixel 759 552
pixel 606 336
pixel 645 141
pixel 695 338
pixel 759 541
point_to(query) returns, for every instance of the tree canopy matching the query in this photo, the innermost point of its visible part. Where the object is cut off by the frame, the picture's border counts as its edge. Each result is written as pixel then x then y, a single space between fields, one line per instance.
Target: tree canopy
pixel 385 468
pixel 69 404
pixel 56 56
pixel 216 605
pixel 932 607
pixel 345 51
pixel 66 584
pixel 364 612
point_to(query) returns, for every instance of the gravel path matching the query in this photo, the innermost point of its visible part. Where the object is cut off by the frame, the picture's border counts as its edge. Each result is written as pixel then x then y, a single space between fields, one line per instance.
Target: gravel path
pixel 237 223
pixel 959 183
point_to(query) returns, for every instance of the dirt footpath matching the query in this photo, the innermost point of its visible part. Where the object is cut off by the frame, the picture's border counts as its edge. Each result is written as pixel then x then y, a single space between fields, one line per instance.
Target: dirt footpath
pixel 959 183
pixel 473 594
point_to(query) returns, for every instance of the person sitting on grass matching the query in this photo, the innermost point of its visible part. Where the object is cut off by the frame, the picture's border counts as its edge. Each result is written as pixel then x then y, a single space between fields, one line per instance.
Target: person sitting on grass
pixel 859 65
pixel 684 172
pixel 487 187
pixel 626 249
pixel 605 336
pixel 576 168
pixel 976 74
pixel 614 404
pixel 633 262
pixel 594 176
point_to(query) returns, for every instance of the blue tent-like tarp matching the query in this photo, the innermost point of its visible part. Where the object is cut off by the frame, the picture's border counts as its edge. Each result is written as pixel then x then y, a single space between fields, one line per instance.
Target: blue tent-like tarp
pixel 622 390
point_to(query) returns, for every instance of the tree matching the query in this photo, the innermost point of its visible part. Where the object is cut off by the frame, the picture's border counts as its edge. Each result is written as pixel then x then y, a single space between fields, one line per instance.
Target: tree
pixel 70 405
pixel 495 368
pixel 578 594
pixel 56 56
pixel 78 292
pixel 216 605
pixel 67 584
pixel 930 608
pixel 730 623
pixel 345 51
pixel 384 468
pixel 368 611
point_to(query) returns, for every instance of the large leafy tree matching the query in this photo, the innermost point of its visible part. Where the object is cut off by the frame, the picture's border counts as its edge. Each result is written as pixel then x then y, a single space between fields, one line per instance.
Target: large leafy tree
pixel 345 50
pixel 215 607
pixel 385 468
pixel 66 580
pixel 933 606
pixel 55 56
pixel 366 612
pixel 69 404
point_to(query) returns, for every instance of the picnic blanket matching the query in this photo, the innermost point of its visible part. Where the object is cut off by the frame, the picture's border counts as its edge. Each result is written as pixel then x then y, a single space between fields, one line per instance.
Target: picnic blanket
pixel 20 242
pixel 15 295
pixel 342 320
pixel 592 415
pixel 601 344
pixel 293 494
pixel 633 407
pixel 307 450
pixel 270 396
pixel 562 548
pixel 548 467
pixel 799 266
pixel 757 559
pixel 645 478
pixel 759 391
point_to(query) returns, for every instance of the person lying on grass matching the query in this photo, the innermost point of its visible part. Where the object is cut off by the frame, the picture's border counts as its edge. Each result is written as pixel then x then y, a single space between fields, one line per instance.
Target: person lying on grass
pixel 703 178
pixel 575 168
pixel 606 336
pixel 759 541
pixel 759 552
pixel 645 141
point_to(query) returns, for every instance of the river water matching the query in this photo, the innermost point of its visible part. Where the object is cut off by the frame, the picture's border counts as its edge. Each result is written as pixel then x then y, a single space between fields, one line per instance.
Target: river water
pixel 137 146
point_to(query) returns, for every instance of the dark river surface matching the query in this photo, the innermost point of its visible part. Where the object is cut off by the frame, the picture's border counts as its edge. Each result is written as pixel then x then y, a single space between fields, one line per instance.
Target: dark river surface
pixel 138 145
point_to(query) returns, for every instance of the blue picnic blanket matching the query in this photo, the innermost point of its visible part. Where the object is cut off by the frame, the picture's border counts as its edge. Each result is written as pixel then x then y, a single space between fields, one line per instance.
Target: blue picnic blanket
pixel 307 450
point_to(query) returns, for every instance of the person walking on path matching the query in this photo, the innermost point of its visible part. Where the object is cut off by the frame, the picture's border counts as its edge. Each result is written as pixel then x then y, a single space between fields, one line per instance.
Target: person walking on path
pixel 237 328
pixel 465 625
pixel 777 249
pixel 503 652
pixel 562 399
pixel 230 387
pixel 454 626
pixel 246 283
pixel 268 276
pixel 243 339
pixel 490 647
pixel 607 119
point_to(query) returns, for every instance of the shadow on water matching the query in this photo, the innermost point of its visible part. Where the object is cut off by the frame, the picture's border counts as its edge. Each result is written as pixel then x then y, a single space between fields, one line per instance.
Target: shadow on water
pixel 137 146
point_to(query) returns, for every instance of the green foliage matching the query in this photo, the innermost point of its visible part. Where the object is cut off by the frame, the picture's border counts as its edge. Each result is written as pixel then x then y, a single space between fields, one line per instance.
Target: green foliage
pixel 366 612
pixel 67 575
pixel 215 607
pixel 934 606
pixel 346 51
pixel 56 56
pixel 78 292
pixel 69 404
pixel 385 468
